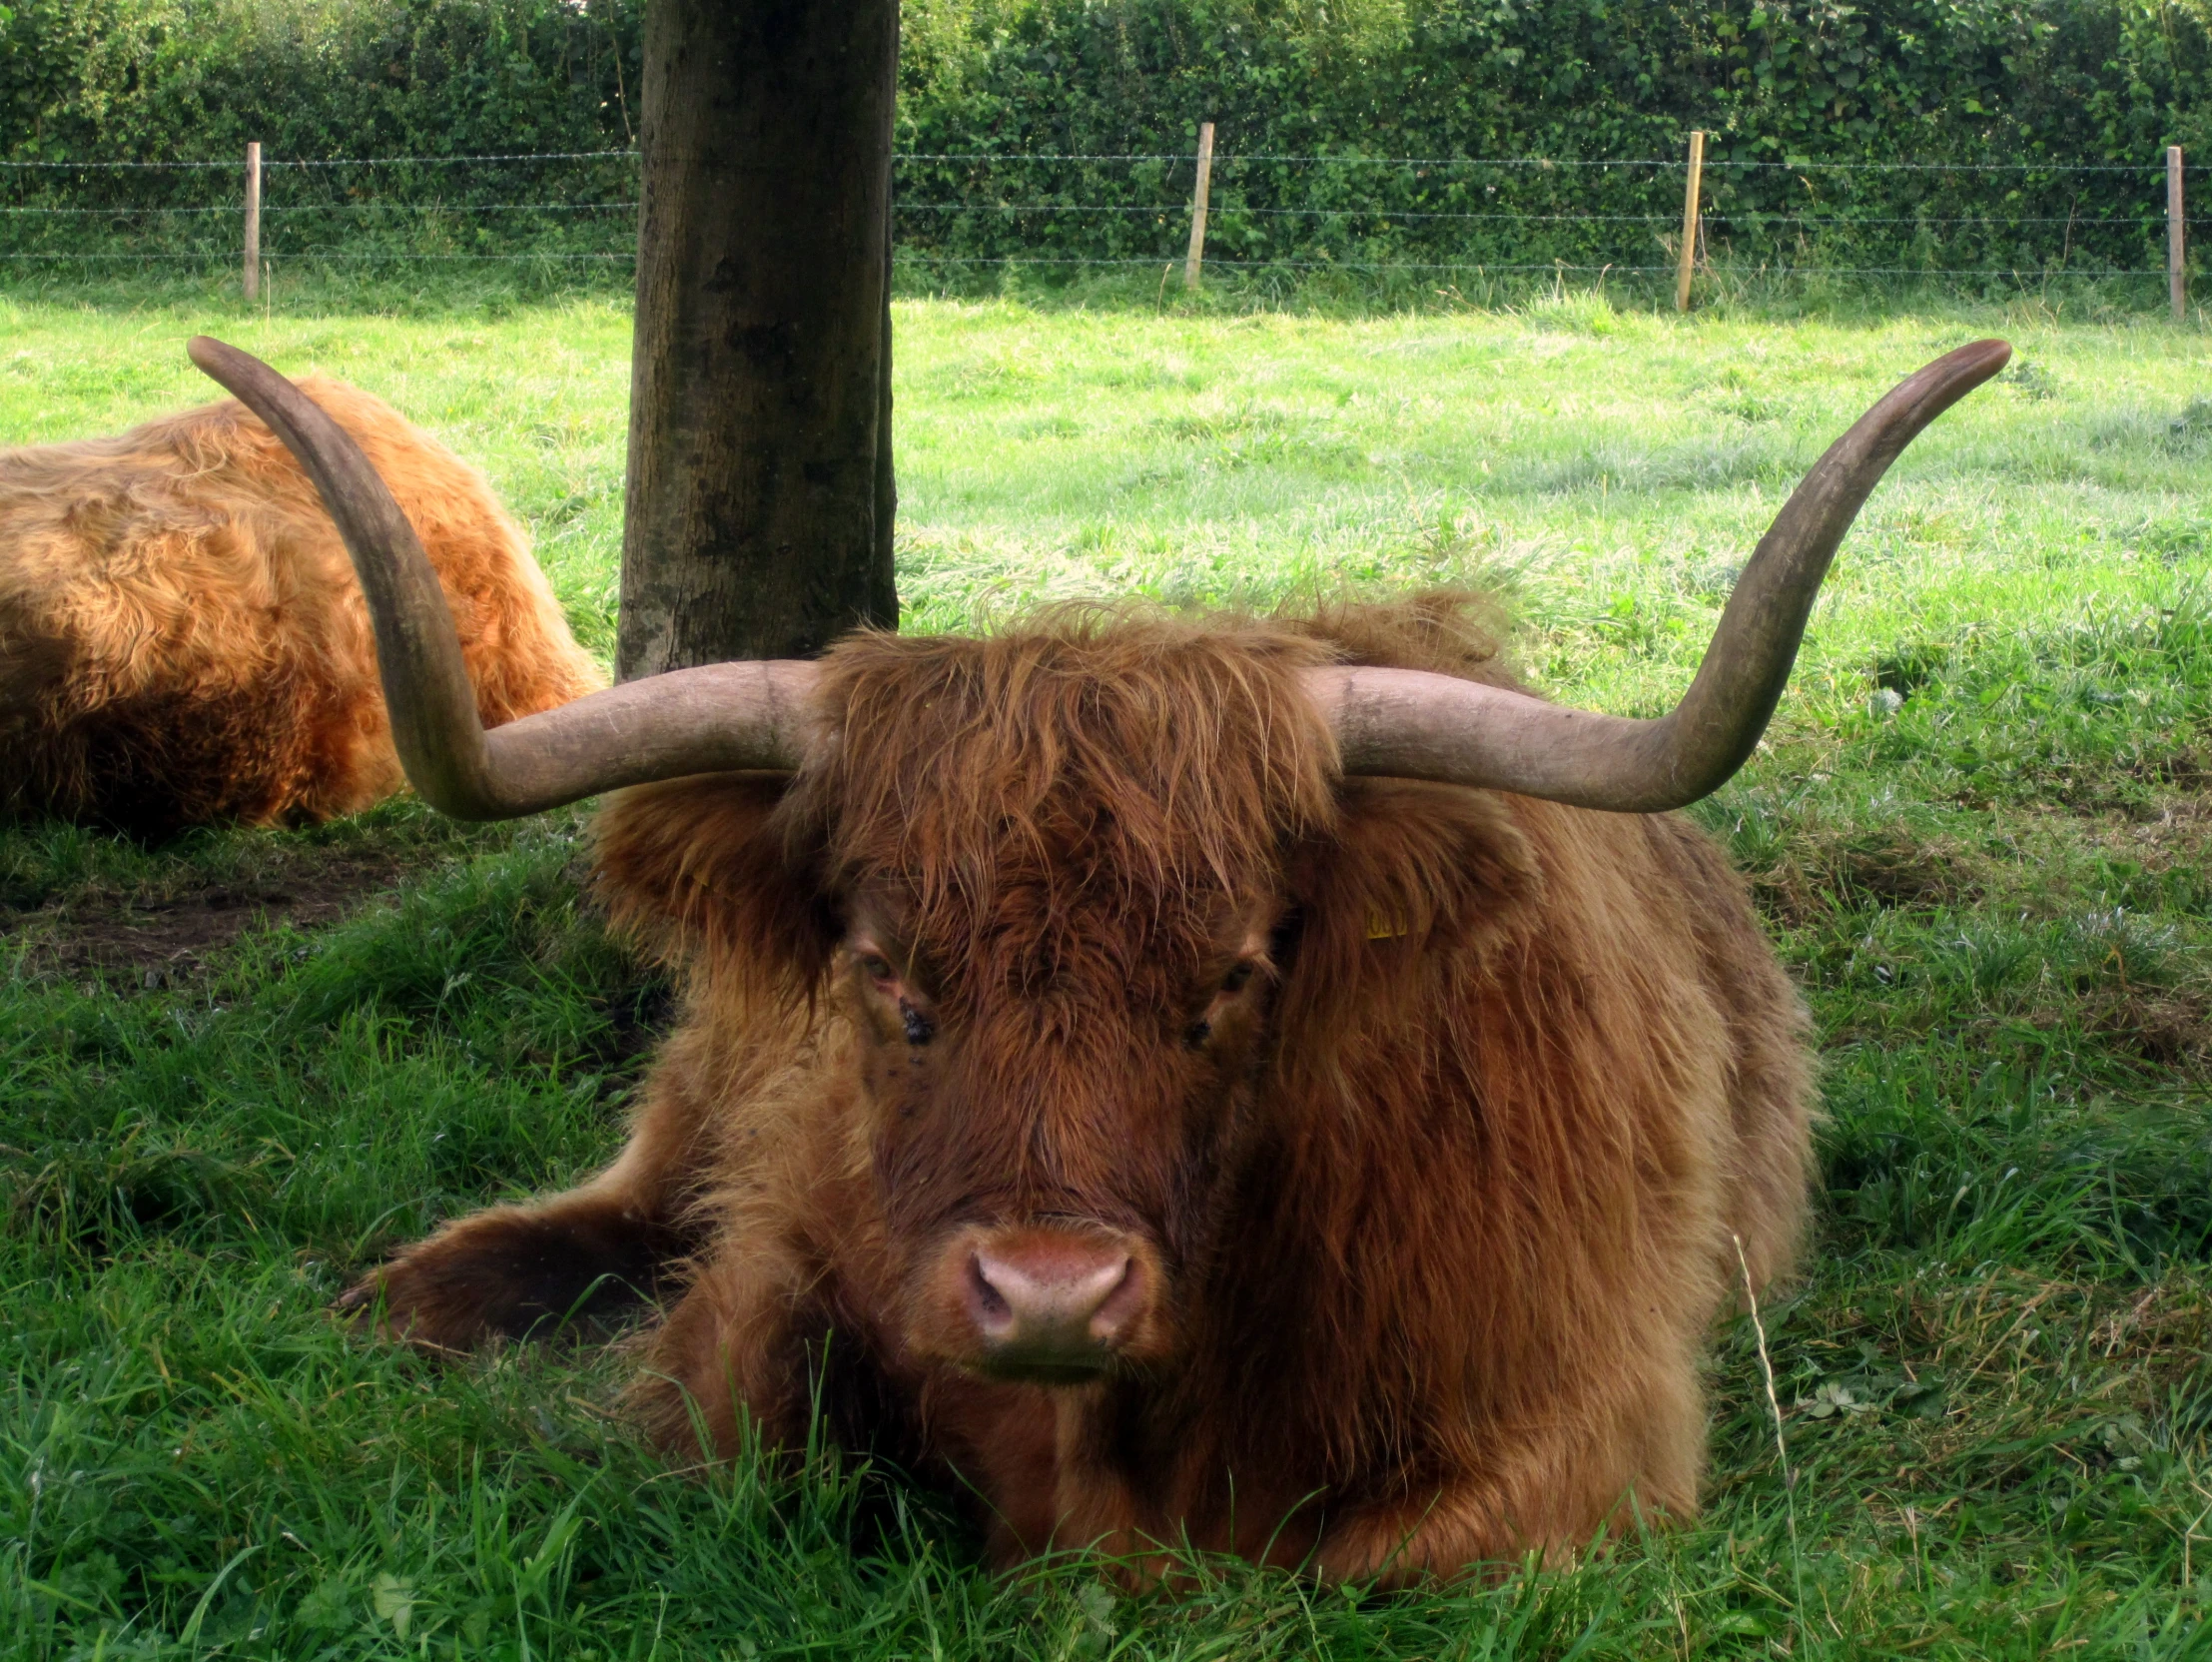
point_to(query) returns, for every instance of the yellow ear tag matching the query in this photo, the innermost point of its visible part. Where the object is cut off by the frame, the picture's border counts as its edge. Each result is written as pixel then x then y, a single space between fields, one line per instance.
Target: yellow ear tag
pixel 1380 928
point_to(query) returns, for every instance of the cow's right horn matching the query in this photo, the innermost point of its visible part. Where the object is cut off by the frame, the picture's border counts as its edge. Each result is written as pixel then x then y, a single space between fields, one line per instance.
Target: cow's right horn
pixel 1413 725
pixel 721 717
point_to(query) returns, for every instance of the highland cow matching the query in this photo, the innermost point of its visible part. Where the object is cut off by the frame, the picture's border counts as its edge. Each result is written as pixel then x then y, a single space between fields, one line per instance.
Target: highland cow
pixel 183 641
pixel 1271 1086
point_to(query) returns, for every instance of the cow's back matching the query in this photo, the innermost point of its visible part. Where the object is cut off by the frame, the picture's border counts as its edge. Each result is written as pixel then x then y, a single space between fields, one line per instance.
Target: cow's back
pixel 182 639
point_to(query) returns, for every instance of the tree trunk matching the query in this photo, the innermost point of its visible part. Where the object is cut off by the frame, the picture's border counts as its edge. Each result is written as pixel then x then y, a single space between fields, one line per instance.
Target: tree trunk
pixel 759 515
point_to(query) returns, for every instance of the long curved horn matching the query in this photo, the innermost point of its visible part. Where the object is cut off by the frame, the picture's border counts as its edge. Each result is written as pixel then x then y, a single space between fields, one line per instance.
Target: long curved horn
pixel 1416 725
pixel 723 716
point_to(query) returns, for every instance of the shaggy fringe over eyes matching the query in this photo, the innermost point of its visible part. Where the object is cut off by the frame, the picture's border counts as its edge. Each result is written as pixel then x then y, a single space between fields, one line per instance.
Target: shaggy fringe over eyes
pixel 1167 760
pixel 1091 754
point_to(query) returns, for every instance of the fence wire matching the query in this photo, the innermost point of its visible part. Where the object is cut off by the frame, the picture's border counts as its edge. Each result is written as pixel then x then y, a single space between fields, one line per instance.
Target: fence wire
pixel 966 211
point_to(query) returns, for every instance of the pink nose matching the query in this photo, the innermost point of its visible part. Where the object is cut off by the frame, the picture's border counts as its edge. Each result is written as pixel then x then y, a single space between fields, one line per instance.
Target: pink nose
pixel 1052 1304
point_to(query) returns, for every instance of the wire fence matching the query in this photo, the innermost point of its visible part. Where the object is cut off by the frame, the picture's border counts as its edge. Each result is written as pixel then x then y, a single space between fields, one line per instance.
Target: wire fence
pixel 959 214
pixel 560 206
pixel 1525 213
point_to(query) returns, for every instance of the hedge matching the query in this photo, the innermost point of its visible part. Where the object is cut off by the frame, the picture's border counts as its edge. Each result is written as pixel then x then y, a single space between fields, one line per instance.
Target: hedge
pixel 162 81
pixel 2027 88
pixel 1808 105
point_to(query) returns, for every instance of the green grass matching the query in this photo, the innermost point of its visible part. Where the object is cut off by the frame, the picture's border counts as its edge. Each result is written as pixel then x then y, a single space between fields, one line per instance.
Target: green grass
pixel 1993 1382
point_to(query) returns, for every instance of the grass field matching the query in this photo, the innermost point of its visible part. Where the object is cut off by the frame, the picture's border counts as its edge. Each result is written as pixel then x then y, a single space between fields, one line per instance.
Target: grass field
pixel 236 1069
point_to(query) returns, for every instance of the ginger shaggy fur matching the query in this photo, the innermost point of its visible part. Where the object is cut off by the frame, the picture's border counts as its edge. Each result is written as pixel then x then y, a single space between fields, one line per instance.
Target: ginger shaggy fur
pixel 1444 1207
pixel 183 641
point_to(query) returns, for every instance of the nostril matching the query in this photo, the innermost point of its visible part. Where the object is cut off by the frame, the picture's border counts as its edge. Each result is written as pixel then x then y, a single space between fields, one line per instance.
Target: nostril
pixel 1122 1303
pixel 993 1313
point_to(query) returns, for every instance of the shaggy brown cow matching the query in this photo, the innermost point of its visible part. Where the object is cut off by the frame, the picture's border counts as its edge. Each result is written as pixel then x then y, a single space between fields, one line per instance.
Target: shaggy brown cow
pixel 1182 1081
pixel 183 641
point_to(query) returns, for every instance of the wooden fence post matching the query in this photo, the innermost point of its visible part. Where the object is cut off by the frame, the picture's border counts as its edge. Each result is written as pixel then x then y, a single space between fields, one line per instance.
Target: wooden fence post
pixel 252 218
pixel 2177 246
pixel 1689 257
pixel 1196 257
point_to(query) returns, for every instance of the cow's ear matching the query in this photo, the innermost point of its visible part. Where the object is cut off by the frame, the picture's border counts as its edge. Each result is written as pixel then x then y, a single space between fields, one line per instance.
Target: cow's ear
pixel 716 872
pixel 1414 881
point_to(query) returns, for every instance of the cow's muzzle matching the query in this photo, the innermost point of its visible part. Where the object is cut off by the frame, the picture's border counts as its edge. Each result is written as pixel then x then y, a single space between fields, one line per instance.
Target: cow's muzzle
pixel 1044 1304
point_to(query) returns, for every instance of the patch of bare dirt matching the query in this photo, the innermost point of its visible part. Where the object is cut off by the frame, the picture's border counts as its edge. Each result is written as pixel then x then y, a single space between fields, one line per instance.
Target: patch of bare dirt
pixel 2159 834
pixel 150 941
pixel 2164 786
pixel 2167 1027
pixel 1887 865
pixel 2187 769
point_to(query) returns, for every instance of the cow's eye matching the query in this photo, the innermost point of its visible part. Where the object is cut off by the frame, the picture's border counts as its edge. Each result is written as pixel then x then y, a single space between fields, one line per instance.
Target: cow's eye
pixel 877 968
pixel 1236 980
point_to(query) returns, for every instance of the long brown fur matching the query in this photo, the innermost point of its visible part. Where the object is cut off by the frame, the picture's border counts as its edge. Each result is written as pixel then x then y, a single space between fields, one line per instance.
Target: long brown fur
pixel 182 638
pixel 1442 1209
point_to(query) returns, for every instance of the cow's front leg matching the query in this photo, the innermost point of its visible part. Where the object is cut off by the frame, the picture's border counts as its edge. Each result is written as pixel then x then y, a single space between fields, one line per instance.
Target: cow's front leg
pixel 522 1271
pixel 773 1347
pixel 736 1360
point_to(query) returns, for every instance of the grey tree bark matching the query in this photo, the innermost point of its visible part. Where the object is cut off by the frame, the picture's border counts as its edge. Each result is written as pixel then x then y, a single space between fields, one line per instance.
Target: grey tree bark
pixel 760 499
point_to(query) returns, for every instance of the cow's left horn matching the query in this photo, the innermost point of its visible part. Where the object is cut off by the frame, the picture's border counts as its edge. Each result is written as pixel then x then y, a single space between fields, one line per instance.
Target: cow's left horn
pixel 723 716
pixel 1415 725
